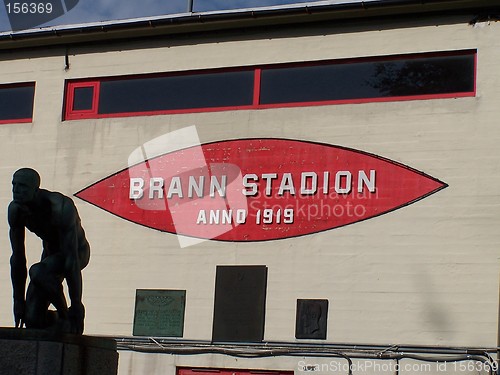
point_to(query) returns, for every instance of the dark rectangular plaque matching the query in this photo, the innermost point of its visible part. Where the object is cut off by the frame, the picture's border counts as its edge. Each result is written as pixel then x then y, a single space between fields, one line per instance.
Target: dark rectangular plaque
pixel 240 303
pixel 159 312
pixel 311 319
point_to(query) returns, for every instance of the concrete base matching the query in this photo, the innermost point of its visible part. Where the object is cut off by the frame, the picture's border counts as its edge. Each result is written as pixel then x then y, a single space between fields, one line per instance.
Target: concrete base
pixel 39 352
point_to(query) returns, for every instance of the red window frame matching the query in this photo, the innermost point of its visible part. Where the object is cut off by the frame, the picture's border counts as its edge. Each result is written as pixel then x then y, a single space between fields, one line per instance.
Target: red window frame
pixel 70 114
pixel 19 120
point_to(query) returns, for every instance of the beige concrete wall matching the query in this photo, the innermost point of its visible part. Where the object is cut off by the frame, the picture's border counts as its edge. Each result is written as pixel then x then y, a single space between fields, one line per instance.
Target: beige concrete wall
pixel 424 274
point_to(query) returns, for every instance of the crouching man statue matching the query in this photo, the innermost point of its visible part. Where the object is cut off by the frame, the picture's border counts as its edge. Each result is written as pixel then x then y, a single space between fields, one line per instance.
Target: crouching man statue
pixel 52 217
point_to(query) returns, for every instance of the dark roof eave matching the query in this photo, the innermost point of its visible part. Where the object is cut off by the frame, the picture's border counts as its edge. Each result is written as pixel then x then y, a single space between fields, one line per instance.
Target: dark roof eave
pixel 195 22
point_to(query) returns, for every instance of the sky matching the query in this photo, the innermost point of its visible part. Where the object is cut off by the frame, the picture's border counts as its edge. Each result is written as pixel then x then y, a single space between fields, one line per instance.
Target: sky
pixel 87 11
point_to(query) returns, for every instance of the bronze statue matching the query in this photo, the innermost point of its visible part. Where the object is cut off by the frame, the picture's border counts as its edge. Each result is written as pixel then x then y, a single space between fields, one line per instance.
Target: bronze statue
pixel 54 218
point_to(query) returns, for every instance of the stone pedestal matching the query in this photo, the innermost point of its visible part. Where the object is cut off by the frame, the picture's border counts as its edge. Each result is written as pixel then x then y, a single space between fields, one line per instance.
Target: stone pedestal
pixel 38 352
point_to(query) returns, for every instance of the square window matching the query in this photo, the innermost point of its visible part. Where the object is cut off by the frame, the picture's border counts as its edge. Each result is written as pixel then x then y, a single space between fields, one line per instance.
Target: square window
pixel 83 98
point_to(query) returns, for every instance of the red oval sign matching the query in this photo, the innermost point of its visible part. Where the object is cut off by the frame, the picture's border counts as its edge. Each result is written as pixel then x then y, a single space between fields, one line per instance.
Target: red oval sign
pixel 258 189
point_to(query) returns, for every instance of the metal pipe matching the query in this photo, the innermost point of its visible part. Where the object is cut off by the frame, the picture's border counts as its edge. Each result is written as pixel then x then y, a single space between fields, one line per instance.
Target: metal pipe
pixel 380 349
pixel 347 352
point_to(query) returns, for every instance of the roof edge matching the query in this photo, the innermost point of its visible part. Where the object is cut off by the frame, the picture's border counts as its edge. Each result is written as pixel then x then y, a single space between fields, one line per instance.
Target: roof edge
pixel 213 20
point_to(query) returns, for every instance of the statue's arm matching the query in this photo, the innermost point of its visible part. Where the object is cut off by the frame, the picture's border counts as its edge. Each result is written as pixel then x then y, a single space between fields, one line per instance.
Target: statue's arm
pixel 18 270
pixel 72 269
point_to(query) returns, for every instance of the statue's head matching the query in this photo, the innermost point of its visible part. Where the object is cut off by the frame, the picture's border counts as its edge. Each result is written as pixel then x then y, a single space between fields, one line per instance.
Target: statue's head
pixel 25 185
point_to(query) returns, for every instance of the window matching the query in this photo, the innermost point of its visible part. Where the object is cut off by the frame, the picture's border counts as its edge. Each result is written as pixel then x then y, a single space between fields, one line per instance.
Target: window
pixel 387 78
pixel 16 102
pixel 212 90
pixel 82 98
pixel 368 80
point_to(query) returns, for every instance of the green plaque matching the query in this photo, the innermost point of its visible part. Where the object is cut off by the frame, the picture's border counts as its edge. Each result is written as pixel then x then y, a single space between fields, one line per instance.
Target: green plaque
pixel 159 312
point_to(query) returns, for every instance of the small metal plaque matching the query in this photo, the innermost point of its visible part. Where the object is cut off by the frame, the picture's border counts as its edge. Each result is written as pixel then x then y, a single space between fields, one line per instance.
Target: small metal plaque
pixel 311 319
pixel 159 312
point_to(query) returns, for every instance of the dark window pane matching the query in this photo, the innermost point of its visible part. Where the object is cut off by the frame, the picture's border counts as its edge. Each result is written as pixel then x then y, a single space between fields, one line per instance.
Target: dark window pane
pixel 83 98
pixel 315 83
pixel 16 102
pixel 176 92
pixel 438 75
pixel 419 76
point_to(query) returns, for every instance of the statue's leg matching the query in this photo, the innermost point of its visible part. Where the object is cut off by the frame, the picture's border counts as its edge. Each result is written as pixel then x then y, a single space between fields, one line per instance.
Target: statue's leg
pixel 47 277
pixel 36 308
